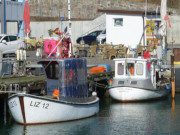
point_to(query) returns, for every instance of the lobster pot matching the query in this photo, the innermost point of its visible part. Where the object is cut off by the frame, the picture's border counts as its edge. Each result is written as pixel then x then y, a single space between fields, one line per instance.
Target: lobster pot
pixel 49 46
pixel 73 74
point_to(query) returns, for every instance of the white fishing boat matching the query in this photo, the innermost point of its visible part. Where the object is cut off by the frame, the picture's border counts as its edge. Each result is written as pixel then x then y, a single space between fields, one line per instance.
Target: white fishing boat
pixel 138 79
pixel 142 78
pixel 69 77
pixel 67 96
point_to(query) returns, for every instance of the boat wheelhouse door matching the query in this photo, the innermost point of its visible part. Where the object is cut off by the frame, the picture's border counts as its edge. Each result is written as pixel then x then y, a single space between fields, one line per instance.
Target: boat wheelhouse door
pixel 51 69
pixel 140 69
pixel 130 68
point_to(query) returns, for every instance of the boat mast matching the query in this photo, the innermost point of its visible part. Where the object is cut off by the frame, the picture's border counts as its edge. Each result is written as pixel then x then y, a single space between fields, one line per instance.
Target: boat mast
pixel 163 22
pixel 69 18
pixel 145 23
pixel 146 8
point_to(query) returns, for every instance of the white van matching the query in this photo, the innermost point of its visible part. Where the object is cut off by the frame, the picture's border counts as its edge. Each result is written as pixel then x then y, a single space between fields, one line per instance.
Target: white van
pixel 101 38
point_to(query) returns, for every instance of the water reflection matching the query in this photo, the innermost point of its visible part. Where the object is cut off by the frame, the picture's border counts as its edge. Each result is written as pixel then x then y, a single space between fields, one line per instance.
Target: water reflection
pixel 69 128
pixel 145 118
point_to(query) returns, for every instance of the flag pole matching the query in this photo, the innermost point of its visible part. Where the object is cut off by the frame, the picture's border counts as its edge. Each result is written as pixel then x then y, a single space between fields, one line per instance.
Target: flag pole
pixel 145 18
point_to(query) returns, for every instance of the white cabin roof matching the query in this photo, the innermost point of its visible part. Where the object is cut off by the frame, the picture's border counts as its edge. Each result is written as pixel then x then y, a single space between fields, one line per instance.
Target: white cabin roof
pixel 140 66
pixel 135 59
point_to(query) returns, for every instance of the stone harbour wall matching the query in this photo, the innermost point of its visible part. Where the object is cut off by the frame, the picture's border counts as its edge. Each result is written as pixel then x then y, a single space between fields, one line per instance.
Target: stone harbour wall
pixel 85 9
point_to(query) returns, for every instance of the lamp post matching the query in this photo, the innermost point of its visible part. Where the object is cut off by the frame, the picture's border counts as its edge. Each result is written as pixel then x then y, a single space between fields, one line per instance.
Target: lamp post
pixel 3 19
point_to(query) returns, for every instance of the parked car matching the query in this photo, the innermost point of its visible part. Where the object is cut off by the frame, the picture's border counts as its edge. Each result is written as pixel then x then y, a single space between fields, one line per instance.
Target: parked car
pixel 10 43
pixel 89 39
pixel 101 38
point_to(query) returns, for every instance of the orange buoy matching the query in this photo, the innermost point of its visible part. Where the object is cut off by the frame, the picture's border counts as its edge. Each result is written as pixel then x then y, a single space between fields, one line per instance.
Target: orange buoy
pixel 56 93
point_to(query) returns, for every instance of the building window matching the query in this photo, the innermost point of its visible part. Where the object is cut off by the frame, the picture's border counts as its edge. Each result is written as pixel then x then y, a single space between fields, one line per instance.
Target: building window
pixel 118 22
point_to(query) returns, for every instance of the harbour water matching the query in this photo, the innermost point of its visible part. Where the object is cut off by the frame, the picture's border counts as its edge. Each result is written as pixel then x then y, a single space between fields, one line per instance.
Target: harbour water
pixel 114 118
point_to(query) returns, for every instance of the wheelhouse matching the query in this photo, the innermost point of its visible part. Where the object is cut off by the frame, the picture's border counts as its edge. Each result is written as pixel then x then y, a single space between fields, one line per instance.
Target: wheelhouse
pixel 133 68
pixel 69 76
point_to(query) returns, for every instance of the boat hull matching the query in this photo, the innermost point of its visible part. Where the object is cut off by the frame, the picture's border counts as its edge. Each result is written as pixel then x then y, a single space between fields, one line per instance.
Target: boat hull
pixel 29 109
pixel 128 94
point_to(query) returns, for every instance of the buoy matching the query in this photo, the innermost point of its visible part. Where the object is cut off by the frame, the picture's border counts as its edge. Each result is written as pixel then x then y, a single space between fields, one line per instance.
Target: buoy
pixel 94 94
pixel 56 93
pixel 110 83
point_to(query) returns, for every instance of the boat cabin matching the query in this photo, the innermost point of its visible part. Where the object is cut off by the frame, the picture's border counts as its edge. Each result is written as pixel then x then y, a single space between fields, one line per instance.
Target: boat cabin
pixel 69 76
pixel 135 69
pixel 136 72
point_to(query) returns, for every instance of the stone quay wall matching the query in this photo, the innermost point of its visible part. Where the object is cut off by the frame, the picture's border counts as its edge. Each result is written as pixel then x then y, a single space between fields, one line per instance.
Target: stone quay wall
pixel 86 9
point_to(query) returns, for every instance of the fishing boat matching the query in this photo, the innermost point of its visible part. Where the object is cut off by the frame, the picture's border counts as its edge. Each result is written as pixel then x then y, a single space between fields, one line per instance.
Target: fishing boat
pixel 67 97
pixel 67 82
pixel 138 79
pixel 141 78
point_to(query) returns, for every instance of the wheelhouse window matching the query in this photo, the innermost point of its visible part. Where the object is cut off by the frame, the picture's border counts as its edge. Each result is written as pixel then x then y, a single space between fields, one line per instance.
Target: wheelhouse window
pixel 139 69
pixel 118 22
pixel 52 70
pixel 120 68
pixel 130 69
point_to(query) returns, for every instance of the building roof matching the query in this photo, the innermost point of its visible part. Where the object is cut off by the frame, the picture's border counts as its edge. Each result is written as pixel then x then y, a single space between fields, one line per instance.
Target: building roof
pixel 136 12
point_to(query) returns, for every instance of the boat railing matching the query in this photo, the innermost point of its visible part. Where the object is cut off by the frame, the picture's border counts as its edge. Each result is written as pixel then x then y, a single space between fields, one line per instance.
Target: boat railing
pixel 78 99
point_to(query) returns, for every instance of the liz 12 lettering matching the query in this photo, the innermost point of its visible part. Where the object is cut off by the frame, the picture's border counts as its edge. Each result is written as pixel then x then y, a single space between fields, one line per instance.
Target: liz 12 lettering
pixel 39 104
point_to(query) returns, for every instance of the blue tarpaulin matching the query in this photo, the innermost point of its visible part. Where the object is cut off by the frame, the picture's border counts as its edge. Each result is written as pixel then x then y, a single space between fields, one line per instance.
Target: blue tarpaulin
pixel 21 27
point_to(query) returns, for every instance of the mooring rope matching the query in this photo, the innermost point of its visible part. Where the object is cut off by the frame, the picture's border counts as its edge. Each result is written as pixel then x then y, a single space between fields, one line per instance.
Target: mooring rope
pixel 94 83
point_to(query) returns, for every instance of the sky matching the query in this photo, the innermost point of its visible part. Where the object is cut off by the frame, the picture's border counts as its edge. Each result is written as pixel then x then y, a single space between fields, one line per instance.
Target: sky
pixel 20 0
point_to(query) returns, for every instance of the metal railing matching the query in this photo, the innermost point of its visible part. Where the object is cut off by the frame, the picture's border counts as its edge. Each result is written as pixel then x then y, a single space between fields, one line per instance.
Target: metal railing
pixel 93 29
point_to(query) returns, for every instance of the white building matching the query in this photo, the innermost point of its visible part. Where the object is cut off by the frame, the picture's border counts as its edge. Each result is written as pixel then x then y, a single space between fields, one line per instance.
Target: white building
pixel 128 27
